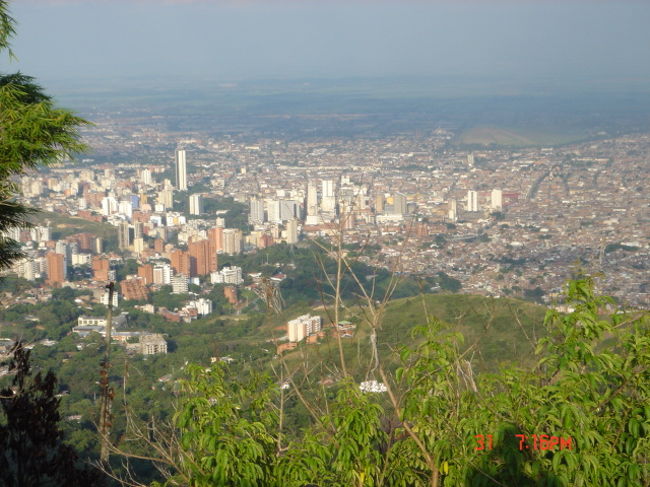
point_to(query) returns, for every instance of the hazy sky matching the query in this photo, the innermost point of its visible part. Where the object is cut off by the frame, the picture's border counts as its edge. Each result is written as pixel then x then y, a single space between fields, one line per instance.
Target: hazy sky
pixel 231 40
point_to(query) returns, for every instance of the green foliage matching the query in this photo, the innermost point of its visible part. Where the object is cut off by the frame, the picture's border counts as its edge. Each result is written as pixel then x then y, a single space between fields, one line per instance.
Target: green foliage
pixel 225 429
pixel 449 283
pixel 583 387
pixel 34 133
pixel 32 451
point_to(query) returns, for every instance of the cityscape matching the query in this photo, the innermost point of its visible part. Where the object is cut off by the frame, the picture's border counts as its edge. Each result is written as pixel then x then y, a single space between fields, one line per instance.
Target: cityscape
pixel 500 222
pixel 307 244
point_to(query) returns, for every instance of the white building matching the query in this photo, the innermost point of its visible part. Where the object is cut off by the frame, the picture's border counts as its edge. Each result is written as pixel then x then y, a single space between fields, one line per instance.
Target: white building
pixel 328 201
pixel 256 215
pixel 81 259
pixel 196 204
pixel 453 211
pixel 497 199
pixel 125 208
pixel 180 284
pixel 152 344
pixel 292 231
pixel 472 200
pixel 145 176
pixel 228 275
pixel 162 274
pixel 232 238
pixel 303 326
pixel 181 170
pixel 109 205
pixel 203 306
pixel 312 204
pixel 116 298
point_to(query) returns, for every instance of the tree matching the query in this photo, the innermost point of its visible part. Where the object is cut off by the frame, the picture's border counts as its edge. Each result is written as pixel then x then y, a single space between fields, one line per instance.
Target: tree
pixel 32 451
pixel 33 133
pixel 582 410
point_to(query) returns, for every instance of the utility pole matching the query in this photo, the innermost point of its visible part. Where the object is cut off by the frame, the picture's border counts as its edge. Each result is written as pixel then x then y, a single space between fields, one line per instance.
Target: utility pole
pixel 105 416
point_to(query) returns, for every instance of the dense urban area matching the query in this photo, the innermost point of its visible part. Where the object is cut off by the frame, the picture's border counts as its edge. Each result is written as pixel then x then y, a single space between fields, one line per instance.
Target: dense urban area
pixel 492 221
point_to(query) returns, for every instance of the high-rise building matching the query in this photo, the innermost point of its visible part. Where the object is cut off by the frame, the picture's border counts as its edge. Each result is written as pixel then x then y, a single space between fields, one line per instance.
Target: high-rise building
pixel 109 205
pixel 159 245
pixel 303 326
pixel 292 231
pixel 180 262
pixel 145 176
pixel 497 199
pixel 228 275
pixel 62 247
pixel 134 289
pixel 166 198
pixel 181 170
pixel 162 274
pixel 180 284
pixel 215 236
pixel 116 298
pixel 123 235
pixel 145 271
pixel 453 211
pixel 215 245
pixel 56 271
pixel 138 245
pixel 328 201
pixel 138 230
pixel 101 267
pixel 289 209
pixel 256 216
pixel 196 204
pixel 125 208
pixel 312 203
pixel 232 241
pixel 379 203
pixel 199 258
pixel 472 200
pixel 399 204
pixel 274 211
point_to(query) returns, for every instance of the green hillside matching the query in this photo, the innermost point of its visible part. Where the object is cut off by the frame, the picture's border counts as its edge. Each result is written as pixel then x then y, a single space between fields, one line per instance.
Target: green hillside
pixel 495 330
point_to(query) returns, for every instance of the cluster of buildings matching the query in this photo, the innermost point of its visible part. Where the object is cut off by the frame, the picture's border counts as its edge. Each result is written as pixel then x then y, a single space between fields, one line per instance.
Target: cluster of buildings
pixel 499 221
pixel 141 342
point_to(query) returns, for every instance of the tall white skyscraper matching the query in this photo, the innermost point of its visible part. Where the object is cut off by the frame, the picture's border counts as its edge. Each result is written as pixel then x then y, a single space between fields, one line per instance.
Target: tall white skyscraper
pixel 453 211
pixel 145 176
pixel 274 211
pixel 232 241
pixel 292 231
pixel 256 216
pixel 196 204
pixel 312 199
pixel 181 170
pixel 497 199
pixel 328 202
pixel 472 200
pixel 312 204
pixel 328 188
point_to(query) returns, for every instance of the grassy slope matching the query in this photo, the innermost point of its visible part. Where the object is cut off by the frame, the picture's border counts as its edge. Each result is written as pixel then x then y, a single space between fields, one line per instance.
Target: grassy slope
pixel 489 326
pixel 66 225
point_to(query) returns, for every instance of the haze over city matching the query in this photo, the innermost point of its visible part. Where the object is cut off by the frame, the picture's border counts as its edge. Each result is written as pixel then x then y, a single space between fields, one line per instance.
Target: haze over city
pixel 531 46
